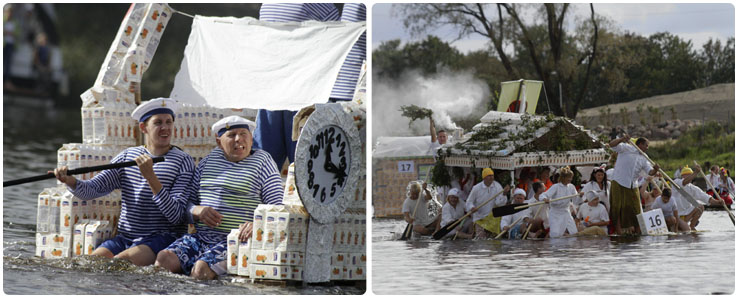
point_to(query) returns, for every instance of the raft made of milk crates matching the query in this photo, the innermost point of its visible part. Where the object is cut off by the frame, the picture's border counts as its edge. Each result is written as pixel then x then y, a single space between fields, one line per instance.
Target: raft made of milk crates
pixel 68 226
pixel 276 248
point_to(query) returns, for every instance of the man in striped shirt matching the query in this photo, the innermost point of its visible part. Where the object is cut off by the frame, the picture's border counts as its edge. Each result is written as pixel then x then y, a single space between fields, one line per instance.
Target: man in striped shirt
pixel 275 127
pixel 153 197
pixel 231 182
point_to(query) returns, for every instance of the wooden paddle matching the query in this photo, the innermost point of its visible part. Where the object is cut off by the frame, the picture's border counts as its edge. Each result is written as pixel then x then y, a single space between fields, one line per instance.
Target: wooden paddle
pixel 512 226
pixel 680 190
pixel 513 208
pixel 130 163
pixel 409 227
pixel 449 227
pixel 537 214
pixel 732 217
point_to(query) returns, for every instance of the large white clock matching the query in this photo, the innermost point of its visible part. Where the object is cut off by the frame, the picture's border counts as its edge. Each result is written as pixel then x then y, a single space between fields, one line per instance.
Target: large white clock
pixel 327 162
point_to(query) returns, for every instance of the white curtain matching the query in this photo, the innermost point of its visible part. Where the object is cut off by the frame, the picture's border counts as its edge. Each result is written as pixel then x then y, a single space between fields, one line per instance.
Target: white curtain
pixel 246 63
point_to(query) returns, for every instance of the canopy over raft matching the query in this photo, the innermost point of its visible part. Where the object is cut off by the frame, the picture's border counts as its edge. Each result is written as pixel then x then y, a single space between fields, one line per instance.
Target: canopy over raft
pixel 509 141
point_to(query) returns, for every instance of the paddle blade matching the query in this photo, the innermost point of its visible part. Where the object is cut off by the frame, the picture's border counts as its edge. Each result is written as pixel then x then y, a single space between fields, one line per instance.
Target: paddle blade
pixel 442 232
pixel 406 233
pixel 506 210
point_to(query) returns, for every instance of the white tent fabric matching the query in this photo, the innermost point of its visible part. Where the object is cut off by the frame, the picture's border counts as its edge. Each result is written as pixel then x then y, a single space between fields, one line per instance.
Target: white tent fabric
pixel 246 63
pixel 389 147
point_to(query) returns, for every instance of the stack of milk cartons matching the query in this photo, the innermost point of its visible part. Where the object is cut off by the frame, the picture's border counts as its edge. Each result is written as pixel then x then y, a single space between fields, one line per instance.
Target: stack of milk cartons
pixel 60 214
pixel 193 127
pixel 276 249
pixel 349 257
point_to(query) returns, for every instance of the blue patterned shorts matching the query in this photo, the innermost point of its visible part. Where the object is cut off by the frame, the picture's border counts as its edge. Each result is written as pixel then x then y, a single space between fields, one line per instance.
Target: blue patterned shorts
pixel 190 249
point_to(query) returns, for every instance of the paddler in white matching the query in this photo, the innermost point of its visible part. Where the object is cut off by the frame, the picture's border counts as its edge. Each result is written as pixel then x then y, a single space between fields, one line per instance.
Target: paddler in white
pixel 687 212
pixel 485 223
pixel 425 223
pixel 668 206
pixel 153 197
pixel 592 215
pixel 507 222
pixel 624 191
pixel 540 222
pixel 451 212
pixel 561 212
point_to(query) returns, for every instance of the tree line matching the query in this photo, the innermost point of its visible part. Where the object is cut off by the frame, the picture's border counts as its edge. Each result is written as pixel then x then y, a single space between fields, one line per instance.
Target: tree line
pixel 596 64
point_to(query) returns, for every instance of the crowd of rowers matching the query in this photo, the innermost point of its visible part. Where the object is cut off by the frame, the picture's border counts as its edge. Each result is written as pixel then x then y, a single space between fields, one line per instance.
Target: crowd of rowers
pixel 608 203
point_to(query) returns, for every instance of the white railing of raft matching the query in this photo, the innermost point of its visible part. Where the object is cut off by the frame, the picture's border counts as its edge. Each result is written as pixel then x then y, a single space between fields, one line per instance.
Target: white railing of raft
pixel 530 159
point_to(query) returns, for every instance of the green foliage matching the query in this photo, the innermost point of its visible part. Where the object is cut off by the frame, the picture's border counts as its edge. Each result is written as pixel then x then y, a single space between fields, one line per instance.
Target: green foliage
pixel 440 174
pixel 414 112
pixel 710 142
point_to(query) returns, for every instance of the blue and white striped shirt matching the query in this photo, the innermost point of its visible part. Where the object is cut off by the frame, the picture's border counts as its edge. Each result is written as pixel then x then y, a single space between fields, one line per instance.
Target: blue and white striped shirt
pixel 234 189
pixel 344 87
pixel 298 12
pixel 144 214
pixel 349 73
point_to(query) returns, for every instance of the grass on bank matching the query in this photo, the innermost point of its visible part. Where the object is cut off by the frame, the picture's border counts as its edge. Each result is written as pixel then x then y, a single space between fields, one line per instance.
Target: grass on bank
pixel 711 143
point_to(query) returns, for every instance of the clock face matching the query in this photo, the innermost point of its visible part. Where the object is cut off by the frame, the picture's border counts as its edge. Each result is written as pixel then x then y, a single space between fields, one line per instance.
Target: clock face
pixel 328 164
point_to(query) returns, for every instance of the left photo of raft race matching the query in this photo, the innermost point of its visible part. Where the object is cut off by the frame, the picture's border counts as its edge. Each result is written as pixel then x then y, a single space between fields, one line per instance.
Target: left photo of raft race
pixel 184 149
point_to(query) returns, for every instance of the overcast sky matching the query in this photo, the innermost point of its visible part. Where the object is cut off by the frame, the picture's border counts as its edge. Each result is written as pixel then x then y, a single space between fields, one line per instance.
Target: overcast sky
pixel 695 22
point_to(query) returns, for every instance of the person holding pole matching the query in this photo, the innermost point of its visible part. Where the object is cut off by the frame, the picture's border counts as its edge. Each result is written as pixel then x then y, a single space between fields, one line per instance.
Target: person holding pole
pixel 625 197
pixel 453 210
pixel 508 222
pixel 686 211
pixel 561 212
pixel 153 197
pixel 416 209
pixel 485 222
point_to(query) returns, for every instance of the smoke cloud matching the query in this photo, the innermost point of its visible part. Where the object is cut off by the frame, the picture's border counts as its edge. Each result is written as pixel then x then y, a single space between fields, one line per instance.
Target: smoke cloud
pixel 448 94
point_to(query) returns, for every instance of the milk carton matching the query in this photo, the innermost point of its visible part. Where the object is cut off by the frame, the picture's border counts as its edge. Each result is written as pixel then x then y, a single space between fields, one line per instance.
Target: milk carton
pixel 54 210
pixel 271 234
pixel 43 210
pixel 43 245
pixel 245 251
pixel 269 272
pixel 282 228
pixel 78 238
pixel 296 273
pixel 290 194
pixel 94 235
pixel 232 252
pixel 258 226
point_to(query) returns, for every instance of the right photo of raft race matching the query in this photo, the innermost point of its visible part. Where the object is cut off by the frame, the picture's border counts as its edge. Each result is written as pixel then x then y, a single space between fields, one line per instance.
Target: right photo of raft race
pixel 518 162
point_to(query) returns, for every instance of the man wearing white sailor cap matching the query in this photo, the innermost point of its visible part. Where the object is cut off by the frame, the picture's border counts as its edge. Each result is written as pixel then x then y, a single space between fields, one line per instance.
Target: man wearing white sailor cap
pixel 153 197
pixel 228 185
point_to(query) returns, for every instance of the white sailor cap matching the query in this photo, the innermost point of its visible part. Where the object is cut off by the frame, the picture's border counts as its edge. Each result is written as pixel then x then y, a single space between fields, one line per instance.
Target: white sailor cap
pixel 154 107
pixel 590 195
pixel 232 122
pixel 519 191
pixel 454 192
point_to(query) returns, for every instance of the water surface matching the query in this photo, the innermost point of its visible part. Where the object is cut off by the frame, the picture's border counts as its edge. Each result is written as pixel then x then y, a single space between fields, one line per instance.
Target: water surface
pixel 693 263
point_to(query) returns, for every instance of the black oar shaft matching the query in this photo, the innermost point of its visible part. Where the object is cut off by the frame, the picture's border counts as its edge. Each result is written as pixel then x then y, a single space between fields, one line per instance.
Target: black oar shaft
pixel 77 171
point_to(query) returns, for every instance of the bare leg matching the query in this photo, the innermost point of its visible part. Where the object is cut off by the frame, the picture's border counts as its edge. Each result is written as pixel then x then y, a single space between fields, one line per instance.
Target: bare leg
pixel 104 252
pixel 201 271
pixel 168 260
pixel 140 255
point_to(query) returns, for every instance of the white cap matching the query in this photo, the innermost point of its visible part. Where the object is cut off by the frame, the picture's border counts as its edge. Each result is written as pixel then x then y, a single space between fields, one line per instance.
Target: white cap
pixel 519 191
pixel 453 192
pixel 154 107
pixel 231 122
pixel 590 195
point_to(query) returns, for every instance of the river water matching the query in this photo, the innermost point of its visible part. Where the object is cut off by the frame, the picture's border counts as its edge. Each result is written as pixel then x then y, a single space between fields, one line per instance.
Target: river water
pixel 31 136
pixel 693 263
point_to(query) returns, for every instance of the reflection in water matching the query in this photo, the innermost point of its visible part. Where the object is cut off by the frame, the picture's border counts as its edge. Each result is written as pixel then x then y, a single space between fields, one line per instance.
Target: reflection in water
pixel 671 264
pixel 31 138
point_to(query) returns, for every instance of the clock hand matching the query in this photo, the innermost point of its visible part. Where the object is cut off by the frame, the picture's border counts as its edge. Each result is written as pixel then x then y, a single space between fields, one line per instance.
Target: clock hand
pixel 327 159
